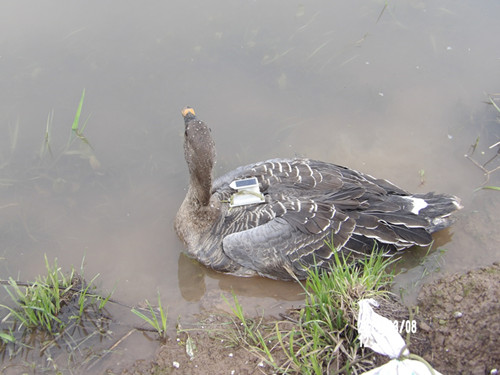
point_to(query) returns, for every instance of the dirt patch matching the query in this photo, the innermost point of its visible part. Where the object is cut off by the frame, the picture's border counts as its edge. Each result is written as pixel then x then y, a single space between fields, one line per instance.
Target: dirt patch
pixel 213 354
pixel 458 332
pixel 463 316
pixel 211 358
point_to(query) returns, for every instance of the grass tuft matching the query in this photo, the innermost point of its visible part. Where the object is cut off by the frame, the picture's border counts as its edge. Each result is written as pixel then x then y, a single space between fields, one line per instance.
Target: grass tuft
pixel 248 331
pixel 50 303
pixel 320 337
pixel 159 325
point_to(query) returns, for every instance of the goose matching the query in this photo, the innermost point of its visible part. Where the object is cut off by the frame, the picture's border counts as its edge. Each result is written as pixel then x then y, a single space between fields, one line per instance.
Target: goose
pixel 278 218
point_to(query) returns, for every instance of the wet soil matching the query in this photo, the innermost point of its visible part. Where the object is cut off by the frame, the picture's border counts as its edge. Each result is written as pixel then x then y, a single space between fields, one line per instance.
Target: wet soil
pixel 462 312
pixel 458 331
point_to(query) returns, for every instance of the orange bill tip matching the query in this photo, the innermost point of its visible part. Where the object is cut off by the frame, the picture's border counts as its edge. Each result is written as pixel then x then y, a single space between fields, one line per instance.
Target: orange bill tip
pixel 186 110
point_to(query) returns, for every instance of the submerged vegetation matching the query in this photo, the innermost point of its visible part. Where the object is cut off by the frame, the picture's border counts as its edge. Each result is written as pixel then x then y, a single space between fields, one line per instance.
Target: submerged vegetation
pixel 57 311
pixel 52 302
pixel 82 149
pixel 58 163
pixel 485 167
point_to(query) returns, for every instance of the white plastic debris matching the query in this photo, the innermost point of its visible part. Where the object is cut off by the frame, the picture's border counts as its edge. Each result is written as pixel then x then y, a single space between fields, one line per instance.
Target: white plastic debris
pixel 380 334
pixel 404 367
pixel 190 347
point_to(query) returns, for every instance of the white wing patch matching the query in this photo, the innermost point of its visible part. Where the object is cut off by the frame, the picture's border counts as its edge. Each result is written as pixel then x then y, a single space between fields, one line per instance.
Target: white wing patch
pixel 417 204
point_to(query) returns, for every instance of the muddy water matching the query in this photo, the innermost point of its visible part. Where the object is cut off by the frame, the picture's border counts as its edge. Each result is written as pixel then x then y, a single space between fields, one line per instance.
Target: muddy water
pixel 396 90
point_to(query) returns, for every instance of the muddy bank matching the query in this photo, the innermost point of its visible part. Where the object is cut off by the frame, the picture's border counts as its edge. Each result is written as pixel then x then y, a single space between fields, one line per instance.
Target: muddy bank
pixel 458 332
pixel 462 312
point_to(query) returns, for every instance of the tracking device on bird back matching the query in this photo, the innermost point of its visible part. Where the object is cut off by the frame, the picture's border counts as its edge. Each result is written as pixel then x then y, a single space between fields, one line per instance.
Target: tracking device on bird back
pixel 247 192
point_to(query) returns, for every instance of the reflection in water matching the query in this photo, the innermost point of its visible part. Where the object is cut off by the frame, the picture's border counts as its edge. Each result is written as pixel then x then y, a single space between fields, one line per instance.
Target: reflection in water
pixel 192 274
pixel 259 287
pixel 191 278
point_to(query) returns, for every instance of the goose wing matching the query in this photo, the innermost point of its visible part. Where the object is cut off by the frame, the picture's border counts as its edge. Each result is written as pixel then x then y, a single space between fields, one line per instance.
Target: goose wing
pixel 309 203
pixel 292 241
pixel 288 233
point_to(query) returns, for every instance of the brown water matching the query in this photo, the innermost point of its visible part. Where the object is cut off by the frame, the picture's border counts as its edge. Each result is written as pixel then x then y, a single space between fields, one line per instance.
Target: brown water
pixel 389 90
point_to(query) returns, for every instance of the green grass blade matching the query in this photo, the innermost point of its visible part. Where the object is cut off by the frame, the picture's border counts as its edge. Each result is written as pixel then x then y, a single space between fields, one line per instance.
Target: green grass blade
pixel 76 121
pixel 104 301
pixel 494 104
pixel 163 315
pixel 5 337
pixel 145 318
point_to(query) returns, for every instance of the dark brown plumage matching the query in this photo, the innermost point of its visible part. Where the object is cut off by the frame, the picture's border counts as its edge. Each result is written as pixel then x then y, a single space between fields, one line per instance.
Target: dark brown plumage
pixel 307 202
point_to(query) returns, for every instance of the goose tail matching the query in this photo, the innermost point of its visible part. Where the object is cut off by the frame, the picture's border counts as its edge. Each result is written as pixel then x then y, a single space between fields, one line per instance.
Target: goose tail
pixel 436 208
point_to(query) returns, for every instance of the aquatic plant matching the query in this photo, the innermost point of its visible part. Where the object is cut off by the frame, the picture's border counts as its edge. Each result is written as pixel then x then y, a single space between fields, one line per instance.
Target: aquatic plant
pixel 51 302
pixel 160 326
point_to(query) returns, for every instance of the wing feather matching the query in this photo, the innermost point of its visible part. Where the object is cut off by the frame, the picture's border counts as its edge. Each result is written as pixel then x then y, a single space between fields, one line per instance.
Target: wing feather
pixel 307 203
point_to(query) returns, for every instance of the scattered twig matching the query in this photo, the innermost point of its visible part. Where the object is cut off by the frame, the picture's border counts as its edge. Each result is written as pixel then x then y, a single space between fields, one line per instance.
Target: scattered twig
pixel 494 156
pixel 289 318
pixel 121 339
pixel 486 172
pixel 112 348
pixel 382 12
